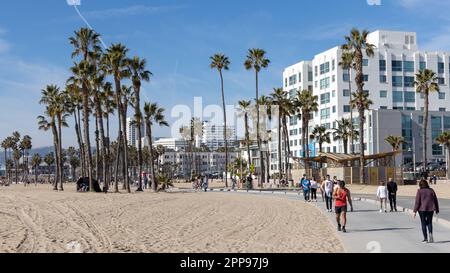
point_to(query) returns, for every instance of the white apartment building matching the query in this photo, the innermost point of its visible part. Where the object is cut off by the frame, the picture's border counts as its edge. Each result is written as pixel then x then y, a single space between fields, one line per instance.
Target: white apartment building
pixel 132 132
pixel 389 80
pixel 171 143
pixel 213 136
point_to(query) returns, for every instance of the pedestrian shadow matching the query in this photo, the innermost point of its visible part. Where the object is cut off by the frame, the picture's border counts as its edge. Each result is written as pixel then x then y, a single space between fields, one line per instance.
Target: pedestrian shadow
pixel 380 229
pixel 365 210
pixel 442 242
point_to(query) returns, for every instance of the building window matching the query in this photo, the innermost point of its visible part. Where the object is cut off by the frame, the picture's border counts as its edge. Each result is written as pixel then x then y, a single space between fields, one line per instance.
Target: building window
pixel 383 94
pixel 441 95
pixel 366 78
pixel 383 79
pixel 365 62
pixel 408 66
pixel 409 81
pixel 441 81
pixel 333 64
pixel 346 108
pixel 442 109
pixel 382 65
pixel 333 78
pixel 324 98
pixel 440 68
pixel 346 77
pixel 334 124
pixel 325 83
pixel 292 80
pixel 315 84
pixel 420 119
pixel 299 77
pixel 292 93
pixel 285 82
pixel 446 122
pixel 325 113
pixel 397 81
pixel 397 96
pixel 397 66
pixel 410 97
pixel 333 94
pixel 383 107
pixel 315 71
pixel 334 109
pixel 310 76
pixel 324 68
pixel 346 93
pixel 422 65
pixel 327 126
pixel 410 108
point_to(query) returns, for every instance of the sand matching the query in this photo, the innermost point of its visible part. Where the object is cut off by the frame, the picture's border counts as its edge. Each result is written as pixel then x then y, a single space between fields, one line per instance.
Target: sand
pixel 442 189
pixel 41 220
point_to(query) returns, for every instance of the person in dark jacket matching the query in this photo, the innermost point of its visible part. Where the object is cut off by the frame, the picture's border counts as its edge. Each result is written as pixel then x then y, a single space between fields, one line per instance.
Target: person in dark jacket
pixel 426 204
pixel 392 194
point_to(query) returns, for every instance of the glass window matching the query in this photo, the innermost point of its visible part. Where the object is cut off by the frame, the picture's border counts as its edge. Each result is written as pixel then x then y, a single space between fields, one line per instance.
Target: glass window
pixel 422 65
pixel 292 93
pixel 327 126
pixel 383 94
pixel 410 97
pixel 410 108
pixel 420 120
pixel 397 108
pixel 346 93
pixel 440 68
pixel 292 80
pixel 325 83
pixel 334 124
pixel 397 66
pixel 397 81
pixel 346 77
pixel 324 68
pixel 408 66
pixel 315 71
pixel 299 77
pixel 365 62
pixel 397 96
pixel 382 65
pixel 442 109
pixel 383 107
pixel 285 82
pixel 334 109
pixel 409 81
pixel 310 76
pixel 366 78
pixel 441 81
pixel 324 98
pixel 446 122
pixel 325 113
pixel 441 95
pixel 346 108
pixel 383 79
pixel 333 64
pixel 333 78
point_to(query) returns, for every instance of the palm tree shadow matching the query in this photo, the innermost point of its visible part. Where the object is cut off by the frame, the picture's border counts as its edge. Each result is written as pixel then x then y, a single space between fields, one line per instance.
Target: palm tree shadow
pixel 365 210
pixel 379 229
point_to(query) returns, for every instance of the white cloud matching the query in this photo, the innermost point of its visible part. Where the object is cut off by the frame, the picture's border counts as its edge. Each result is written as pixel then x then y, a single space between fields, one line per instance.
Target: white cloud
pixel 4 46
pixel 128 11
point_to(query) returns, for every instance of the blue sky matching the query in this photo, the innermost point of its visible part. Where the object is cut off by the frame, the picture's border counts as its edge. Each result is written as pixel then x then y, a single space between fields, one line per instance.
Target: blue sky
pixel 177 38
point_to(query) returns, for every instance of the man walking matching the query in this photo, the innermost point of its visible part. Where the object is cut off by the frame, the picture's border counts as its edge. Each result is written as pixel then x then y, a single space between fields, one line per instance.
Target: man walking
pixel 327 188
pixel 392 194
pixel 342 196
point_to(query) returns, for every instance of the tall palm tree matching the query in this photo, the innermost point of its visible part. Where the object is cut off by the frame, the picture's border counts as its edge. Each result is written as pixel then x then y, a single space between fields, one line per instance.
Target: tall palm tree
pixel 244 109
pixel 266 103
pixel 49 159
pixel 221 62
pixel 344 132
pixel 320 135
pixel 26 145
pixel 35 163
pixel 116 64
pixel 356 43
pixel 306 103
pixel 5 145
pixel 153 115
pixel 139 73
pixel 444 139
pixel 109 106
pixel 257 60
pixel 347 63
pixel 86 43
pixel 426 82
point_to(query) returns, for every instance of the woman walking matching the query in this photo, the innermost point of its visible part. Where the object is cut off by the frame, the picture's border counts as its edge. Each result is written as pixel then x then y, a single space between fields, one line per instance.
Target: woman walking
pixel 382 194
pixel 314 187
pixel 426 204
pixel 327 188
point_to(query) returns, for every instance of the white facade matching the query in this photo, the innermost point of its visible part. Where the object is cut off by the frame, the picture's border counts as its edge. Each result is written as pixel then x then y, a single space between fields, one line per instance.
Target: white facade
pixel 171 143
pixel 213 136
pixel 389 79
pixel 132 132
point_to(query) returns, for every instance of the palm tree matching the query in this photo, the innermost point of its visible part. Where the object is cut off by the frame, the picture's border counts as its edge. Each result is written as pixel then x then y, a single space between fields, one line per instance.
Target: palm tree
pixel 116 64
pixel 426 82
pixel 346 63
pixel 153 115
pixel 26 145
pixel 396 142
pixel 49 159
pixel 221 62
pixel 139 73
pixel 266 103
pixel 109 106
pixel 45 125
pixel 36 162
pixel 5 145
pixel 244 109
pixel 256 60
pixel 356 43
pixel 86 44
pixel 321 136
pixel 444 139
pixel 344 132
pixel 306 103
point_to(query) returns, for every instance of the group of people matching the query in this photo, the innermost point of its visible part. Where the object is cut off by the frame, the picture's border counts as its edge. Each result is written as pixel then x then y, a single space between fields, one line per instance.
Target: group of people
pixel 385 192
pixel 200 182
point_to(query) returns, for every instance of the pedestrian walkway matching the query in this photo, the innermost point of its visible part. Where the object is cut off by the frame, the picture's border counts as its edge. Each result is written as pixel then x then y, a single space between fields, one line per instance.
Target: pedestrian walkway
pixel 369 231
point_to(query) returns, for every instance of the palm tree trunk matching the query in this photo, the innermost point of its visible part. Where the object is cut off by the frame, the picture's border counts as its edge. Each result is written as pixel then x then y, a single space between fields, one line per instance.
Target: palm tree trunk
pixel 361 146
pixel 280 165
pixel 138 114
pixel 97 152
pixel 448 162
pixel 286 144
pixel 345 142
pixel 425 129
pixel 258 136
pixel 247 140
pixel 352 138
pixel 61 187
pixel 225 139
pixel 55 144
pixel 152 164
pixel 102 143
pixel 125 152
pixel 36 174
pixel 116 170
pixel 87 144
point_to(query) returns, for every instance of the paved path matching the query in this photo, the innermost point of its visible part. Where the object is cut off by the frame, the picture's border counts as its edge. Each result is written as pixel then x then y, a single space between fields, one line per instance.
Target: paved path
pixel 368 230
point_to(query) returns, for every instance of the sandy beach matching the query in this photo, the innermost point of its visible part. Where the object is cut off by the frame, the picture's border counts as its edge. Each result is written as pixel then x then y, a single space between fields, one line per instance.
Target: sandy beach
pixel 41 220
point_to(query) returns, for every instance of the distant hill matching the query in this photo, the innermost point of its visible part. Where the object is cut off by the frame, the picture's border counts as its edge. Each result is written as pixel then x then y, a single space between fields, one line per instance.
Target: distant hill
pixel 41 151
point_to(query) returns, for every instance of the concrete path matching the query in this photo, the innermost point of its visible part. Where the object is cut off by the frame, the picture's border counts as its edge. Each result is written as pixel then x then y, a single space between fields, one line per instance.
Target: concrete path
pixel 368 230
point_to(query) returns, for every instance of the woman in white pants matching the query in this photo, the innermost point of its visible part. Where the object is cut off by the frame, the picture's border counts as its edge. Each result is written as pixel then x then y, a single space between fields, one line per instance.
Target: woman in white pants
pixel 382 194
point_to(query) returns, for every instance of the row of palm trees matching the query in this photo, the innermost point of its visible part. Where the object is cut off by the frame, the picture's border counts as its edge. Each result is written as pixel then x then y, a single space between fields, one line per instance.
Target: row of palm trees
pixel 18 148
pixel 97 88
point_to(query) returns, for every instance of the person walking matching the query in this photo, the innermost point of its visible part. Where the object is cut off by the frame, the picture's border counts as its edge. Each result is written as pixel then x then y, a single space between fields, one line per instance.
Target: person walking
pixel 205 183
pixel 306 186
pixel 426 204
pixel 249 181
pixel 327 188
pixel 392 193
pixel 382 194
pixel 314 187
pixel 301 180
pixel 145 181
pixel 342 196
